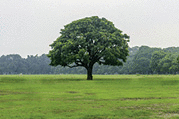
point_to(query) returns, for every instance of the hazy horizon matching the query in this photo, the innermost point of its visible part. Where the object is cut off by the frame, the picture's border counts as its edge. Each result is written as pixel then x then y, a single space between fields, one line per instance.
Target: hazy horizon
pixel 47 53
pixel 29 27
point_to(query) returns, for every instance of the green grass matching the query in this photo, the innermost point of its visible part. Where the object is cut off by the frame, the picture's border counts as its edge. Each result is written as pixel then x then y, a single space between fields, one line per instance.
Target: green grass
pixel 105 97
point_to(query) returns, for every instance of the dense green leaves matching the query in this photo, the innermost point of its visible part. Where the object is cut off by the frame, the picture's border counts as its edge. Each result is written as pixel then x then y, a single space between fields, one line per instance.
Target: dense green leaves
pixel 87 41
pixel 141 60
pixel 157 56
pixel 15 64
pixel 164 62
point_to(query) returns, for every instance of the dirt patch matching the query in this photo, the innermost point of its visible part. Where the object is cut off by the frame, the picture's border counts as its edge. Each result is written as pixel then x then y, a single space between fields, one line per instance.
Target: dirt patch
pixel 98 107
pixel 168 116
pixel 57 111
pixel 90 93
pixel 144 107
pixel 135 99
pixel 148 98
pixel 129 99
pixel 72 92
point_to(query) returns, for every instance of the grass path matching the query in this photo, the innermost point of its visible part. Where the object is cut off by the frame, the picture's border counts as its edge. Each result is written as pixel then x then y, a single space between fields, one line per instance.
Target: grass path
pixel 72 96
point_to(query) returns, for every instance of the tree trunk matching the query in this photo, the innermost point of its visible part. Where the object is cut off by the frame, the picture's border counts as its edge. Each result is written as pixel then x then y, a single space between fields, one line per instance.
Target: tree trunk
pixel 89 73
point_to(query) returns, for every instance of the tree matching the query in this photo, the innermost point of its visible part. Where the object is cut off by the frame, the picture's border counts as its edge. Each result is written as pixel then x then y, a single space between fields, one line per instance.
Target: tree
pixel 141 60
pixel 87 41
pixel 178 59
pixel 155 60
pixel 174 65
pixel 165 63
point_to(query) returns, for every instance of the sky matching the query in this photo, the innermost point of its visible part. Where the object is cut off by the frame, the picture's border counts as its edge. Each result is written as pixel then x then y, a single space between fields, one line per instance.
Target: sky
pixel 28 27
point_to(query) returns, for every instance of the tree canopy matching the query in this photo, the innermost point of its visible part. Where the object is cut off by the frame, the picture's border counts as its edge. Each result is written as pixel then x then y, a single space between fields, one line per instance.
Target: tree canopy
pixel 87 41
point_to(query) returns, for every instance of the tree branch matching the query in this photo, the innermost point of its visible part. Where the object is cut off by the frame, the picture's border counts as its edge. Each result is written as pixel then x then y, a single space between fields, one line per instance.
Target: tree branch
pixel 100 62
pixel 77 65
pixel 96 57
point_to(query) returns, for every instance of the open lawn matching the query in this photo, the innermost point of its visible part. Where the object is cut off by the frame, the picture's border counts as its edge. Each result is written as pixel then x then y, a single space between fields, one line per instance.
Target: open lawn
pixel 72 96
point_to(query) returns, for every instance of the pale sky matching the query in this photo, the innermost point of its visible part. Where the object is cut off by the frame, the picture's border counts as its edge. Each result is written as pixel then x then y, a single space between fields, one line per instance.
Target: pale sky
pixel 28 27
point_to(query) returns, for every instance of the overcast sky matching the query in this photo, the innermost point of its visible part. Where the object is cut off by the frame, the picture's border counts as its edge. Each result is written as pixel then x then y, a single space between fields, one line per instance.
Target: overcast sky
pixel 27 27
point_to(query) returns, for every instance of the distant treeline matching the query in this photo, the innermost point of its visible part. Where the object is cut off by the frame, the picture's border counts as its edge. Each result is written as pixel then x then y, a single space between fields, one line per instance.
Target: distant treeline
pixel 141 60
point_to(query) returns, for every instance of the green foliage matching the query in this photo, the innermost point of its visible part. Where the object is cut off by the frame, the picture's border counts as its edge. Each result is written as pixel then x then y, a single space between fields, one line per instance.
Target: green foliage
pixel 141 60
pixel 155 59
pixel 164 62
pixel 15 64
pixel 87 41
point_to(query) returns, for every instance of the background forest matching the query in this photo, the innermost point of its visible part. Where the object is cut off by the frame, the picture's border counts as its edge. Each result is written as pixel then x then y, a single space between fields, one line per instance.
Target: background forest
pixel 141 60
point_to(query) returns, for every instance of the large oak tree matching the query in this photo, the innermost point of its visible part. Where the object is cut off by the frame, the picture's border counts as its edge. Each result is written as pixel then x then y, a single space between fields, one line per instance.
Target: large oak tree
pixel 87 41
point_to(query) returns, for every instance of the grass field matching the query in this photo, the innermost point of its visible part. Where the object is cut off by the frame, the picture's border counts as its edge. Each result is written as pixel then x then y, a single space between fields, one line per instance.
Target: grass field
pixel 105 97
